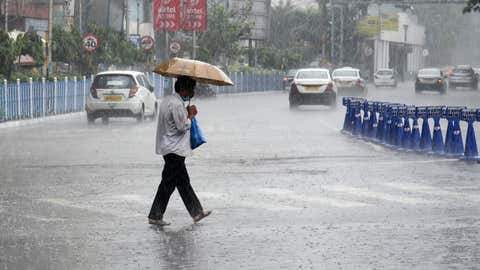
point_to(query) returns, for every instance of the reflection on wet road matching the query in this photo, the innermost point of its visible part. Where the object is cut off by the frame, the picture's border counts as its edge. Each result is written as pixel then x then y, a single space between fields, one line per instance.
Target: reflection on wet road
pixel 288 191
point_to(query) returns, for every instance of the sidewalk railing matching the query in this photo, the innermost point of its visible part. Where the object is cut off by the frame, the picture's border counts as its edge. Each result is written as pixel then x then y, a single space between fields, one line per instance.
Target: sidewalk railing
pixel 34 99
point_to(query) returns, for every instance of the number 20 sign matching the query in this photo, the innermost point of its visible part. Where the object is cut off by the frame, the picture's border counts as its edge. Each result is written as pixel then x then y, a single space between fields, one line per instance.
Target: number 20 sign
pixel 90 42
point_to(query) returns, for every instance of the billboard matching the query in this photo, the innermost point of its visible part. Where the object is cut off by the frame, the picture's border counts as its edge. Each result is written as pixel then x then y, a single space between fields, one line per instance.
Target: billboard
pixel 369 24
pixel 166 15
pixel 195 15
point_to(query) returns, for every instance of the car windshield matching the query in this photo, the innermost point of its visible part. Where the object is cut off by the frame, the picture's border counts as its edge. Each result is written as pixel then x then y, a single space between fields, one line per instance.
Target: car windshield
pixel 429 72
pixel 345 73
pixel 113 81
pixel 385 72
pixel 312 74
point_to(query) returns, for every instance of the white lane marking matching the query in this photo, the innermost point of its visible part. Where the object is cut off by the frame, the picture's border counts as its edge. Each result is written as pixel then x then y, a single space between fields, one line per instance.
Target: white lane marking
pixel 121 213
pixel 363 192
pixel 290 195
pixel 424 189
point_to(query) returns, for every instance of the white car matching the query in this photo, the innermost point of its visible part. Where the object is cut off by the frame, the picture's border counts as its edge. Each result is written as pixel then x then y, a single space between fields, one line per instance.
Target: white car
pixel 385 77
pixel 121 94
pixel 312 86
pixel 349 80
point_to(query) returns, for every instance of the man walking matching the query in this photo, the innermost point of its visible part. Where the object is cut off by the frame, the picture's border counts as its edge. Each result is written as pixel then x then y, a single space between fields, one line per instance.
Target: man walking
pixel 173 143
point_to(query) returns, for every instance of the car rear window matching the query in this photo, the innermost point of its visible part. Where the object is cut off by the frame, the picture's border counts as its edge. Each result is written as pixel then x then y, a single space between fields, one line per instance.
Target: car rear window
pixel 429 72
pixel 461 71
pixel 312 74
pixel 384 72
pixel 345 73
pixel 113 81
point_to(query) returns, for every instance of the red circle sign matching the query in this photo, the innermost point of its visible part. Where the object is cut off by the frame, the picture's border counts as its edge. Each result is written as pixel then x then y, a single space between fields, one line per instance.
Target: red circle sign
pixel 147 43
pixel 175 47
pixel 90 42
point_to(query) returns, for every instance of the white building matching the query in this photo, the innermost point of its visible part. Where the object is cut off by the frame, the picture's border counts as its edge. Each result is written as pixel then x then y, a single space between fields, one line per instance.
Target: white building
pixel 402 50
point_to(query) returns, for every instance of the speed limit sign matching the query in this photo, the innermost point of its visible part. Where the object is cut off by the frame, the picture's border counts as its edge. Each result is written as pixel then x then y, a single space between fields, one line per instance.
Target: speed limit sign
pixel 90 42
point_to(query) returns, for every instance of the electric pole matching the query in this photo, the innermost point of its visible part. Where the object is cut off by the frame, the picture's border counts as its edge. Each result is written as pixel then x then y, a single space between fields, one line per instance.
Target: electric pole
pixel 6 16
pixel 127 21
pixel 332 32
pixel 50 34
pixel 138 17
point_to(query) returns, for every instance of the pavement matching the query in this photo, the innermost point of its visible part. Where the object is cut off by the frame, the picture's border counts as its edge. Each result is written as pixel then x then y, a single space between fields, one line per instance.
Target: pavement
pixel 287 190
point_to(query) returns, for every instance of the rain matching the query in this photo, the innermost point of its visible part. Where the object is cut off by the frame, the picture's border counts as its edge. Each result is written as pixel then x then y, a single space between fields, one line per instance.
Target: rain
pixel 338 134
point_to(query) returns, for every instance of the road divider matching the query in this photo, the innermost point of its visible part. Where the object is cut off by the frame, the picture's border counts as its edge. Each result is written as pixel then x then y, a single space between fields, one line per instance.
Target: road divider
pixel 396 126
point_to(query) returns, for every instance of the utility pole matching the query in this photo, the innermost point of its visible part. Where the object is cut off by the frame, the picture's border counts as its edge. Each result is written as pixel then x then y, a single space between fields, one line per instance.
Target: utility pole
pixel 80 14
pixel 50 35
pixel 138 17
pixel 6 16
pixel 341 35
pixel 108 13
pixel 332 32
pixel 127 21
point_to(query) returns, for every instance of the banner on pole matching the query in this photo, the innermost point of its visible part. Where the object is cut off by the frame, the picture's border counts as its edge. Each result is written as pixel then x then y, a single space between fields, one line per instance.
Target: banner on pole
pixel 195 15
pixel 167 15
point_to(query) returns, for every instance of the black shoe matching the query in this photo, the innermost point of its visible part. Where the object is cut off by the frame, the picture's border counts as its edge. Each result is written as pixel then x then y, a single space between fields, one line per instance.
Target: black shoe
pixel 159 222
pixel 201 216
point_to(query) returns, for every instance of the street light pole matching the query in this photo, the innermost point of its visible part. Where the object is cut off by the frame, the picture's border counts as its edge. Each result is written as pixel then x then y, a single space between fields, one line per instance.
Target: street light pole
pixel 138 17
pixel 6 16
pixel 332 32
pixel 50 35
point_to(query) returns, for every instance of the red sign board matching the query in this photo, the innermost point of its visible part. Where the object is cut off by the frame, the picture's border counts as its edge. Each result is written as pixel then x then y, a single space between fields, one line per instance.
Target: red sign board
pixel 147 43
pixel 195 15
pixel 90 42
pixel 167 15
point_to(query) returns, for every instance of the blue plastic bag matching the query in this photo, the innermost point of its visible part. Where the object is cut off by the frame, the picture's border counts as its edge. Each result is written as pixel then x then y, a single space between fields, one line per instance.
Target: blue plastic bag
pixel 196 135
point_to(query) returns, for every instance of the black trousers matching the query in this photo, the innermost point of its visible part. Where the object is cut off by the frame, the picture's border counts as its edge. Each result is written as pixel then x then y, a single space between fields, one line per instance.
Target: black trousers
pixel 174 175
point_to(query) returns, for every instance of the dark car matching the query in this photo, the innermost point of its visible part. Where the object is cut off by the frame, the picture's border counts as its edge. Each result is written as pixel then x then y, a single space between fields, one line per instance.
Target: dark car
pixel 288 78
pixel 430 79
pixel 204 91
pixel 463 76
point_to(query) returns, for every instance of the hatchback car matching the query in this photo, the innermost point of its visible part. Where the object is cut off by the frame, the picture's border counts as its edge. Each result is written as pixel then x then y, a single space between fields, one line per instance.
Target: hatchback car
pixel 312 86
pixel 121 94
pixel 349 80
pixel 385 77
pixel 430 79
pixel 463 76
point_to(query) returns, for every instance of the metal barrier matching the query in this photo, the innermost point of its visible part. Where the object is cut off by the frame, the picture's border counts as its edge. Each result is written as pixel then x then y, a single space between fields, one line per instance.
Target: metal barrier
pixel 27 100
pixel 393 127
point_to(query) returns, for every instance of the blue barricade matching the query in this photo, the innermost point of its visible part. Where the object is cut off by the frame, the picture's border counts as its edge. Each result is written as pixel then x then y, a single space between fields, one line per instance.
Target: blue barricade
pixel 471 150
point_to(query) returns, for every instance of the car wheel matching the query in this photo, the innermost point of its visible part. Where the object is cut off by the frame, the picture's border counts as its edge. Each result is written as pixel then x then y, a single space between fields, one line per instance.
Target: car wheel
pixel 155 112
pixel 104 120
pixel 417 91
pixel 294 100
pixel 90 118
pixel 141 115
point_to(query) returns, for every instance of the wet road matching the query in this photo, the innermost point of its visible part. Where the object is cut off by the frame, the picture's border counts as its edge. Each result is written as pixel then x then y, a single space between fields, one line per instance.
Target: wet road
pixel 288 191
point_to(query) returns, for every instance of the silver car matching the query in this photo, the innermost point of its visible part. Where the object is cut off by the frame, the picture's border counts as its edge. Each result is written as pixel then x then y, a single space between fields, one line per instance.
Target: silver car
pixel 385 77
pixel 349 81
pixel 120 94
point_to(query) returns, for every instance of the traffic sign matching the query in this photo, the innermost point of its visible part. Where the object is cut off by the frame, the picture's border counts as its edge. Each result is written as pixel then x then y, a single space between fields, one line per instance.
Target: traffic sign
pixel 175 47
pixel 147 43
pixel 90 42
pixel 425 52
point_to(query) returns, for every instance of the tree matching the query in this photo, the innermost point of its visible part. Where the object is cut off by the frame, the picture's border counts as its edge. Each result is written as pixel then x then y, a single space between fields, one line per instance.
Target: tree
pixel 472 5
pixel 30 43
pixel 221 39
pixel 7 54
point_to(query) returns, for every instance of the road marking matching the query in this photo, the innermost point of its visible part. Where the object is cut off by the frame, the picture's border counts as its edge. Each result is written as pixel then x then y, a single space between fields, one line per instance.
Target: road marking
pixel 290 195
pixel 424 189
pixel 363 192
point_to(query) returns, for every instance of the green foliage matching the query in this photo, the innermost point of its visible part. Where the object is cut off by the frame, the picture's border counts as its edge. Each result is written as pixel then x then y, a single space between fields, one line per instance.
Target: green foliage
pixel 25 76
pixel 472 6
pixel 7 54
pixel 30 43
pixel 113 49
pixel 225 29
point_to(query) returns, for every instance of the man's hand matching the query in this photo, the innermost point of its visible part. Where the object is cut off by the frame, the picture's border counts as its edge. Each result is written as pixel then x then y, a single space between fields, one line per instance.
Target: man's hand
pixel 192 111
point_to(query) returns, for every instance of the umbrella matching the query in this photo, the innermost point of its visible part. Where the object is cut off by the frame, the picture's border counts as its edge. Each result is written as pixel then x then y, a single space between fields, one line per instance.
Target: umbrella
pixel 200 71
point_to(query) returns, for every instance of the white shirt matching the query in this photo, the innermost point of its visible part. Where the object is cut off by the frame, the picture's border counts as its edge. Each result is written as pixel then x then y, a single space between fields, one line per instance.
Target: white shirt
pixel 173 129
